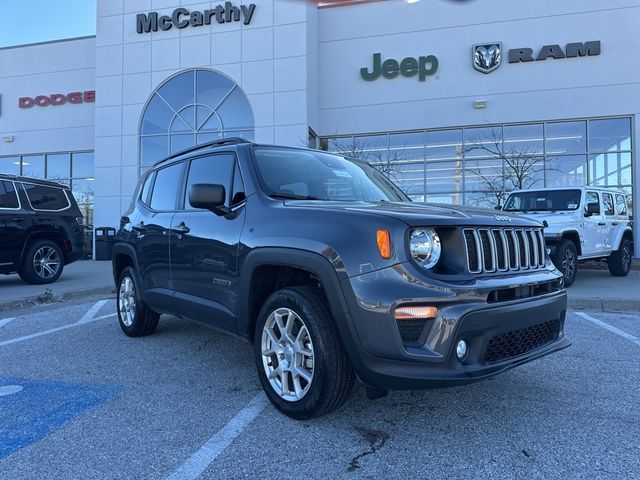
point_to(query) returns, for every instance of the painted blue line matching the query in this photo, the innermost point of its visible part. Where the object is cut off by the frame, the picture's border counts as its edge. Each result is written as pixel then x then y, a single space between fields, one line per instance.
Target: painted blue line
pixel 43 407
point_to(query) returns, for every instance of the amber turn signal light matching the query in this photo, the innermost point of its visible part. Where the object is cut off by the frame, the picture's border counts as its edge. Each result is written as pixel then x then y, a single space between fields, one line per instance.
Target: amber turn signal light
pixel 384 244
pixel 414 313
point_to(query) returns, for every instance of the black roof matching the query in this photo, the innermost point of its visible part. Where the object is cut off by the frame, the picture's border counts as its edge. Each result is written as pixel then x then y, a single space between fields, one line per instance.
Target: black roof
pixel 37 181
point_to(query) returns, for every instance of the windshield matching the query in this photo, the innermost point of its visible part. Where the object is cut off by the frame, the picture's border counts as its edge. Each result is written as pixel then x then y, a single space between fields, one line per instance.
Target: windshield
pixel 312 175
pixel 543 201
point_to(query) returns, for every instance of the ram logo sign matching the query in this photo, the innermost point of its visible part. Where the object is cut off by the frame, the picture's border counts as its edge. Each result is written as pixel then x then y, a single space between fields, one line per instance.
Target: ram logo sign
pixel 487 57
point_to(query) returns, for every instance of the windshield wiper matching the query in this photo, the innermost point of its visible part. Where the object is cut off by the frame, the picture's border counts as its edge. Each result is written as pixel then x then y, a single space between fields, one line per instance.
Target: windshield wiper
pixel 292 196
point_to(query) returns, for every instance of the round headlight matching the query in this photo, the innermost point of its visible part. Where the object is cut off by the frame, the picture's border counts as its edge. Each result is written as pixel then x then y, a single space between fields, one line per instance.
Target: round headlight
pixel 425 247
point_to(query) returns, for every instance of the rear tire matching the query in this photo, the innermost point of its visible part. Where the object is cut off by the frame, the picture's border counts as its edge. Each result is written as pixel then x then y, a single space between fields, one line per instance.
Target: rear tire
pixel 135 317
pixel 43 263
pixel 566 260
pixel 620 261
pixel 309 343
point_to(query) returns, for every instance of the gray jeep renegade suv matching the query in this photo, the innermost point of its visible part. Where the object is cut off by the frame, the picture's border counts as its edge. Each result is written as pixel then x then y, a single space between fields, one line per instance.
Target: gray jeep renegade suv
pixel 333 274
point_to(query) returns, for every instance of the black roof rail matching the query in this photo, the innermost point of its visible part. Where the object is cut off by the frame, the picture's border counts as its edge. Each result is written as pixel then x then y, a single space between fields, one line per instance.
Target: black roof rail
pixel 213 143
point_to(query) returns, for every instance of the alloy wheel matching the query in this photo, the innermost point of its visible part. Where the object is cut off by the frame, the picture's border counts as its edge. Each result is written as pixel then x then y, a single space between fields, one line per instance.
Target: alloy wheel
pixel 46 262
pixel 287 354
pixel 127 301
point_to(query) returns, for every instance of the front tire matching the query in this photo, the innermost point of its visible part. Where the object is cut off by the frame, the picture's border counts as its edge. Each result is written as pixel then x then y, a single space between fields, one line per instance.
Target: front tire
pixel 566 260
pixel 135 317
pixel 301 361
pixel 619 262
pixel 43 263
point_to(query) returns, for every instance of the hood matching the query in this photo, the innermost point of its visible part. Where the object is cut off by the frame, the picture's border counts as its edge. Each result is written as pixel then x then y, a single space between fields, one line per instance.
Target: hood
pixel 552 218
pixel 423 214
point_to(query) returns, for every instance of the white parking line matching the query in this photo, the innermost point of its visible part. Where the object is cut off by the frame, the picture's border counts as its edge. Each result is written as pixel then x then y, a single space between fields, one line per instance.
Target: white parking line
pixel 4 321
pixel 611 328
pixel 199 461
pixel 86 318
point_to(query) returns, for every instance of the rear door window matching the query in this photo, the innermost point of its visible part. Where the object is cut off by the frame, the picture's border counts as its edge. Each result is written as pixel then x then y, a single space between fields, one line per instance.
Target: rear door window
pixel 45 198
pixel 621 205
pixel 607 200
pixel 165 189
pixel 8 196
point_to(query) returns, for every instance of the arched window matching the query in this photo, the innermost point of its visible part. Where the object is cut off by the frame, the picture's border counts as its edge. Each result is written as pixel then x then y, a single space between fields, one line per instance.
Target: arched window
pixel 190 108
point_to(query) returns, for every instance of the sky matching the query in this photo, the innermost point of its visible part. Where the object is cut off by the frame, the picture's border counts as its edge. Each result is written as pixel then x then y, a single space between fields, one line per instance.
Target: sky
pixel 31 21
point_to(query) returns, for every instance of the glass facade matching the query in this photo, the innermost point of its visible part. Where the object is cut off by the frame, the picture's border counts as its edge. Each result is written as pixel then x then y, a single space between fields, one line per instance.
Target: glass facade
pixel 193 107
pixel 479 166
pixel 75 169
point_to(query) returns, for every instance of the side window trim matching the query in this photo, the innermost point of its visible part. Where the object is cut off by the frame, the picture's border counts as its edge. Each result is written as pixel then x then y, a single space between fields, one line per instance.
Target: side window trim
pixel 66 196
pixel 237 168
pixel 15 191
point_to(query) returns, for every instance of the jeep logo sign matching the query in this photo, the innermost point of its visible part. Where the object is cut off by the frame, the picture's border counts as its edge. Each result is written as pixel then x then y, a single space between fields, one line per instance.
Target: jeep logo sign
pixel 423 67
pixel 57 99
pixel 182 18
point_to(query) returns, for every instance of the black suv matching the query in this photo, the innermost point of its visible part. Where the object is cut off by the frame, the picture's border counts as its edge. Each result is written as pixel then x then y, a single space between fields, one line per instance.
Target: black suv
pixel 40 228
pixel 331 272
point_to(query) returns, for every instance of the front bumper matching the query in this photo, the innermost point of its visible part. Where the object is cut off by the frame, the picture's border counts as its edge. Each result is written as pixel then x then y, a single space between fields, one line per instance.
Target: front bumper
pixel 383 360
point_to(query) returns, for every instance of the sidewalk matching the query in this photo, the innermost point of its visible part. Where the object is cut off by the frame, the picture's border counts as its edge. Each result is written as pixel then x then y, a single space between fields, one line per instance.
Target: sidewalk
pixel 82 278
pixel 598 290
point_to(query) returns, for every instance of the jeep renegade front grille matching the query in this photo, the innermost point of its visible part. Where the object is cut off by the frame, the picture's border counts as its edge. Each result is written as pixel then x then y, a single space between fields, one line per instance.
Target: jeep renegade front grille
pixel 519 342
pixel 503 249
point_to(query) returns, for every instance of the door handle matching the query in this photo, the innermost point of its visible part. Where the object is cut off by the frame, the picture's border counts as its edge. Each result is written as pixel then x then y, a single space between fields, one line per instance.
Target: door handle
pixel 18 219
pixel 138 228
pixel 615 224
pixel 601 224
pixel 181 229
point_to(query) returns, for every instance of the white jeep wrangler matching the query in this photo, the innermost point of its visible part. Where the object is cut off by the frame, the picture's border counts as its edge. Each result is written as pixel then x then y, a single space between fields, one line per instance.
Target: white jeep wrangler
pixel 581 223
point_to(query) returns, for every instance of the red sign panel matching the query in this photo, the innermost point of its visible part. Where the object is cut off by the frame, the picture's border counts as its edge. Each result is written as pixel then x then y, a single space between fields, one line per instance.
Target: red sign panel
pixel 56 99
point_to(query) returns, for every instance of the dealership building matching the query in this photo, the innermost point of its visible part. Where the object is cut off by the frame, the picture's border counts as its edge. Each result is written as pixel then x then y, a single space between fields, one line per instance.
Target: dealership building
pixel 458 101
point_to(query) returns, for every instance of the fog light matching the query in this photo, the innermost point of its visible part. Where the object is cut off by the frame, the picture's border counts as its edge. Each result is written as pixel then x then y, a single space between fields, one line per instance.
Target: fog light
pixel 461 349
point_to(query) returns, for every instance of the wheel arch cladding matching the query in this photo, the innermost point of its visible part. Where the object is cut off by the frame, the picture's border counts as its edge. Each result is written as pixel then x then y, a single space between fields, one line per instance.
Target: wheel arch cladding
pixel 574 237
pixel 123 256
pixel 282 268
pixel 51 236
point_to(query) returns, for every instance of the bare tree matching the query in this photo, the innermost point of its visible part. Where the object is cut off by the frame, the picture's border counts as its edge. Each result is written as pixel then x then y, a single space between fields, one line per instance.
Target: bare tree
pixel 385 161
pixel 519 167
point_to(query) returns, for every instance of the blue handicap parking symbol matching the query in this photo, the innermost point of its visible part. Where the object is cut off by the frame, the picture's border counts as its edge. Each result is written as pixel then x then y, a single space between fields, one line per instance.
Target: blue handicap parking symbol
pixel 30 410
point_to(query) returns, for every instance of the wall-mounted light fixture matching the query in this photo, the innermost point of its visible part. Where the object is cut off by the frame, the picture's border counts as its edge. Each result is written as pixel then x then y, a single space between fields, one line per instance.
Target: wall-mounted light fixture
pixel 479 104
pixel 7 138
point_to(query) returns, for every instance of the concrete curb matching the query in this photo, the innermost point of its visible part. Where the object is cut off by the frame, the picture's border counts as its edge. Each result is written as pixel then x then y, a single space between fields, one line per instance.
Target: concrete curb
pixel 31 302
pixel 604 304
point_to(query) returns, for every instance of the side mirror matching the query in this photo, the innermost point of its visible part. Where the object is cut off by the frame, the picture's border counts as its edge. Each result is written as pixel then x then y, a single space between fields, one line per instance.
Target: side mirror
pixel 592 209
pixel 208 197
pixel 497 207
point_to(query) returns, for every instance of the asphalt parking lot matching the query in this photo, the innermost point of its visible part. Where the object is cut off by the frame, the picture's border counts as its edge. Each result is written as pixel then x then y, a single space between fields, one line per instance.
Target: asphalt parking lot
pixel 78 399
